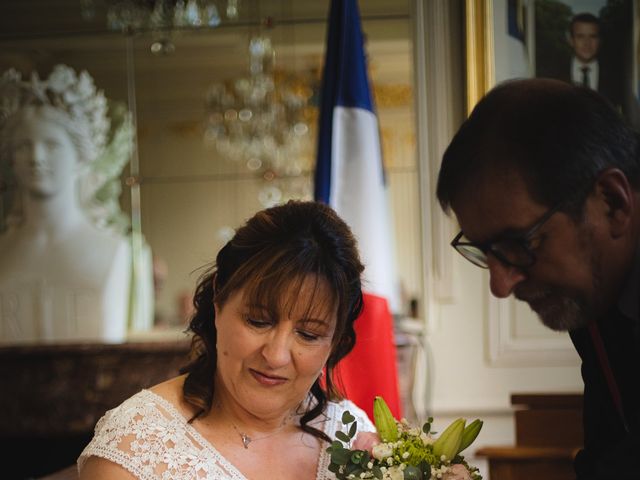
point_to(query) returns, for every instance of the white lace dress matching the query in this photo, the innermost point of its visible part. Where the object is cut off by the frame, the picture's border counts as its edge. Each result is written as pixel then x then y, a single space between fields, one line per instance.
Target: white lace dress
pixel 149 437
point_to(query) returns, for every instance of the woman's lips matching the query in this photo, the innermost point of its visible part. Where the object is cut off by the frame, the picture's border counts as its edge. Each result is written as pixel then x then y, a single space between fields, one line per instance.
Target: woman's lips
pixel 267 380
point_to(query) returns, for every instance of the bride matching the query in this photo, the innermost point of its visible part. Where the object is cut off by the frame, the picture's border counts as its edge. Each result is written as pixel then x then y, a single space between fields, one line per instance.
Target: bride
pixel 274 314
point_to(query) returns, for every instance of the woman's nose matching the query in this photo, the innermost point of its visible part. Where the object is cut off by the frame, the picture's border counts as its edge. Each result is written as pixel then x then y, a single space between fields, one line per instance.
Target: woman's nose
pixel 277 349
pixel 503 278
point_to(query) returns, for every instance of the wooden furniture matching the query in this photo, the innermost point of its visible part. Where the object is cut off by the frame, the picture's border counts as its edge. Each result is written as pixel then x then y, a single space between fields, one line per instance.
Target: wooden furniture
pixel 54 394
pixel 548 435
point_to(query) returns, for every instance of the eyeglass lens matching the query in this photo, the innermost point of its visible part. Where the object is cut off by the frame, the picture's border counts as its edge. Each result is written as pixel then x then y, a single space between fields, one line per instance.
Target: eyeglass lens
pixel 511 252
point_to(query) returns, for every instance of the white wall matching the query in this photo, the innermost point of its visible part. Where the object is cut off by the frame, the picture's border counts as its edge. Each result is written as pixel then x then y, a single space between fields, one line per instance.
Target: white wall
pixel 511 55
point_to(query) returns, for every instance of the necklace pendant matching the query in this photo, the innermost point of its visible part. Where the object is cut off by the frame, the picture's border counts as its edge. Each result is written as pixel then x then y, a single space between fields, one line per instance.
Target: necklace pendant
pixel 246 440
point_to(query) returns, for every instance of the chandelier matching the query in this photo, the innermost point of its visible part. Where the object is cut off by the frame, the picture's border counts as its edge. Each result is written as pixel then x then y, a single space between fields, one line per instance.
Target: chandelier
pixel 263 120
pixel 139 15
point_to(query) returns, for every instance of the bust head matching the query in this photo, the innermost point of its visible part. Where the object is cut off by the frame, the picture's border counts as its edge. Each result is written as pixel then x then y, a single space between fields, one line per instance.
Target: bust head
pixel 50 129
pixel 45 154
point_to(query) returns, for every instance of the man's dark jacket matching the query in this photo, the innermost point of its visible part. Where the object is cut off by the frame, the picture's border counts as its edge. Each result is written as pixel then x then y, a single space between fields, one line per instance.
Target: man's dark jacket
pixel 610 450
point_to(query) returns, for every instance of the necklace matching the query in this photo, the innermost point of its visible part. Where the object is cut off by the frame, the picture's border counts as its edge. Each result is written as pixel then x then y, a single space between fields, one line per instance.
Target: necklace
pixel 246 439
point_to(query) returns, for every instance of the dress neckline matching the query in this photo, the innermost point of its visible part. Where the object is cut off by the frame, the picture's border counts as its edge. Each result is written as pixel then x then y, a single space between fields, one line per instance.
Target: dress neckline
pixel 191 430
pixel 206 444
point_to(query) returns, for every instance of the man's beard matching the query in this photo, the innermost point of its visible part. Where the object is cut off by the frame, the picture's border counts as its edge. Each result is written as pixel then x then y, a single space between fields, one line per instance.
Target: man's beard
pixel 561 310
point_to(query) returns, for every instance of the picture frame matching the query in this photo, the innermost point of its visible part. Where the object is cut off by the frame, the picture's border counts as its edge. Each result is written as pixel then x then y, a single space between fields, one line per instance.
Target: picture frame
pixel 508 39
pixel 479 50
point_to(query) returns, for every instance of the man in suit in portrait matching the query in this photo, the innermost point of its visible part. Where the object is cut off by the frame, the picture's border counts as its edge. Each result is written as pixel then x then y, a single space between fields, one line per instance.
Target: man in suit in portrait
pixel 586 68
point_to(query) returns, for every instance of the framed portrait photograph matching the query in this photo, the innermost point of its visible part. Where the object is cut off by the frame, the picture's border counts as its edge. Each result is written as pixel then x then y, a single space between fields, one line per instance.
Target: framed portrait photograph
pixel 588 43
pixel 593 43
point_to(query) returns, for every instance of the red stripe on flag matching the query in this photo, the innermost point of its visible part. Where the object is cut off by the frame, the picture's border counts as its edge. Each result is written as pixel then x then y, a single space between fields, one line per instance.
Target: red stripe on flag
pixel 370 369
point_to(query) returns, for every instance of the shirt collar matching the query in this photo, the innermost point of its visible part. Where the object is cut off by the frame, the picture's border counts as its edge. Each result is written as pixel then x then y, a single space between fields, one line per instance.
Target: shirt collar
pixel 594 72
pixel 579 64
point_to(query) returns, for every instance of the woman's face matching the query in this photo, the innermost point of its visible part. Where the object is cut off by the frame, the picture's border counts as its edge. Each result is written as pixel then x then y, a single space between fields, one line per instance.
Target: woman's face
pixel 268 360
pixel 45 159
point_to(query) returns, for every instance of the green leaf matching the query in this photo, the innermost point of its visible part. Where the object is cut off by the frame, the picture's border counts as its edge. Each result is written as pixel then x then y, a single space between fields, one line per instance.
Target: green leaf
pixel 353 469
pixel 426 470
pixel 347 417
pixel 377 472
pixel 426 427
pixel 353 429
pixel 343 436
pixel 412 473
pixel 341 457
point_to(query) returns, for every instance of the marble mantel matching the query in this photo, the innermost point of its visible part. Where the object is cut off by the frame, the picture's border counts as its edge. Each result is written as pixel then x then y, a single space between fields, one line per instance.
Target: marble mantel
pixel 54 394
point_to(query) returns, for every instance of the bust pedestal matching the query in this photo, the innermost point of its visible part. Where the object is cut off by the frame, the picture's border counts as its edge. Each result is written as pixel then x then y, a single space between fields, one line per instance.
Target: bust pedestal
pixel 74 288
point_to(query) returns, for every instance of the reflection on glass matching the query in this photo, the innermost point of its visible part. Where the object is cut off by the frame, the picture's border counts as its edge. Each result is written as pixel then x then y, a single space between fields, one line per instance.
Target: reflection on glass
pixel 262 120
pixel 190 191
pixel 64 260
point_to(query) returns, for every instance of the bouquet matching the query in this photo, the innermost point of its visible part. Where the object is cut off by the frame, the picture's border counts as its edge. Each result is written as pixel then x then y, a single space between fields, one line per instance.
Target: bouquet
pixel 404 452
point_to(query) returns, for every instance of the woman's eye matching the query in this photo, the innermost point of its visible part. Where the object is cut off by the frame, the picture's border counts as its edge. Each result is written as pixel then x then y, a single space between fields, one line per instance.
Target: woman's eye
pixel 308 336
pixel 258 323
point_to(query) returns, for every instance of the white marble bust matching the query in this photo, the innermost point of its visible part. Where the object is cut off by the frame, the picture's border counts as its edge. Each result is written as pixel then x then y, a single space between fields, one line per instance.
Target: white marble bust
pixel 61 278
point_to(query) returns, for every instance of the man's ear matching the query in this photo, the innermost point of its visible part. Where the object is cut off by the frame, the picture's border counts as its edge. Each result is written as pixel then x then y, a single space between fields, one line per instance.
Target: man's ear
pixel 613 187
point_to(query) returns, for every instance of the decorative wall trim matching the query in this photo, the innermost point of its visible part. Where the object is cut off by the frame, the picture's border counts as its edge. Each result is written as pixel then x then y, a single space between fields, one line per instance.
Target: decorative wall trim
pixel 507 348
pixel 472 412
pixel 439 111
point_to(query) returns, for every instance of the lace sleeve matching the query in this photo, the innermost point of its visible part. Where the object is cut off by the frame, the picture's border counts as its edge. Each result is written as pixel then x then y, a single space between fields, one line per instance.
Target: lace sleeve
pixel 149 438
pixel 332 424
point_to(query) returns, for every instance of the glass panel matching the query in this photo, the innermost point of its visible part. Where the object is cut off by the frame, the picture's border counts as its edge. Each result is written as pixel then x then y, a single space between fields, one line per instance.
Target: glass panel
pixel 192 194
pixel 65 247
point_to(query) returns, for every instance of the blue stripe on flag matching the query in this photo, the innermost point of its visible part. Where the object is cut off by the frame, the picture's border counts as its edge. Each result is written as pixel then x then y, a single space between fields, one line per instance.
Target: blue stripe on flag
pixel 515 19
pixel 344 83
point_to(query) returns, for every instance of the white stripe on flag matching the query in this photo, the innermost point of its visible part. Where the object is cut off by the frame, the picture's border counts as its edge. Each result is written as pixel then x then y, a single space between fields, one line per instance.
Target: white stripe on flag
pixel 359 195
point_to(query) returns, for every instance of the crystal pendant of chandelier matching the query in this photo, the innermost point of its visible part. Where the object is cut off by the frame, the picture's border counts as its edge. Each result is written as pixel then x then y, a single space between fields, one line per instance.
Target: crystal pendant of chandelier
pixel 262 120
pixel 160 17
pixel 138 15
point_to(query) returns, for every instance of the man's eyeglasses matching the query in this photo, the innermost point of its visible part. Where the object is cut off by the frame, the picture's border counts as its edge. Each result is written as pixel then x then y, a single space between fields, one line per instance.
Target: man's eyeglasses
pixel 512 250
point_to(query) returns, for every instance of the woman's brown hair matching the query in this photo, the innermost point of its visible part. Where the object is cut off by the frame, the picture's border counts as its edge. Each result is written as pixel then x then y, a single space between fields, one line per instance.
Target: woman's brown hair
pixel 276 247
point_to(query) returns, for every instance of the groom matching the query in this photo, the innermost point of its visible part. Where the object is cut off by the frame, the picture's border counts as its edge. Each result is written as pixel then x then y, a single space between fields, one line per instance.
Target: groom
pixel 544 179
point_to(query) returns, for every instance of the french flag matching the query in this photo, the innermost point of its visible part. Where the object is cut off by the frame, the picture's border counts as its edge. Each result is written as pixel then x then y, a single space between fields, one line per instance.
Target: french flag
pixel 350 178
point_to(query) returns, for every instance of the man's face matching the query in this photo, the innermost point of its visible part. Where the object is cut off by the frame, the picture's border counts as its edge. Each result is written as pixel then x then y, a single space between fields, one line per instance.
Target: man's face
pixel 585 41
pixel 561 286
